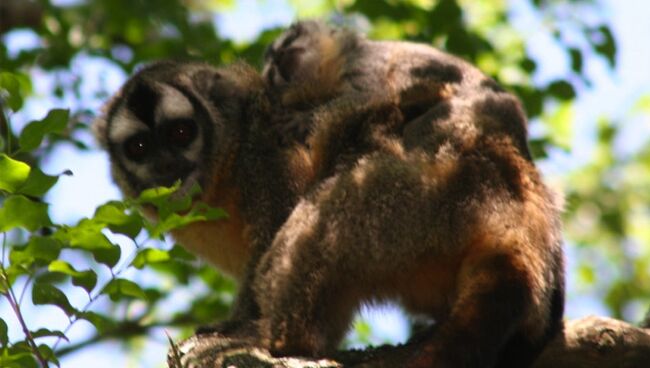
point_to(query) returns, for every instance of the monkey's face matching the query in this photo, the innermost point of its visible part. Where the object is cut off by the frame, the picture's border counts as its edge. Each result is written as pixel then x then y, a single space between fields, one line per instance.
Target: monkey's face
pixel 161 127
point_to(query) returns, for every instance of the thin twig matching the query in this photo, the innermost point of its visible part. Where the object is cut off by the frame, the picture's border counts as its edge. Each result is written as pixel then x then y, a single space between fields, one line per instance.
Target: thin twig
pixel 13 301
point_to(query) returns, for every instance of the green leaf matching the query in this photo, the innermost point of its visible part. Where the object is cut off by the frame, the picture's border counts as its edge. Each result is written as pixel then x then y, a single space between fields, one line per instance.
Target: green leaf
pixel 576 60
pixel 14 173
pixel 48 354
pixel 43 332
pixel 165 201
pixel 13 272
pixel 84 279
pixel 19 360
pixel 17 86
pixel 18 177
pixel 19 211
pixel 121 288
pixel 4 337
pixel 642 105
pixel 33 134
pixel 157 196
pixel 562 90
pixel 37 183
pixel 179 253
pixel 101 323
pixel 149 256
pixel 43 294
pixel 560 123
pixel 113 214
pixel 174 221
pixel 39 248
pixel 606 44
pixel 87 235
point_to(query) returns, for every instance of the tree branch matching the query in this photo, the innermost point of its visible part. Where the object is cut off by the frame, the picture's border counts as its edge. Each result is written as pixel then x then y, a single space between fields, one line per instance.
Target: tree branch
pixel 585 343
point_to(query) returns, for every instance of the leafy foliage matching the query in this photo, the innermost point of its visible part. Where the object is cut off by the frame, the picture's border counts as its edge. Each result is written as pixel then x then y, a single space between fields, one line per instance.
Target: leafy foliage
pixel 106 255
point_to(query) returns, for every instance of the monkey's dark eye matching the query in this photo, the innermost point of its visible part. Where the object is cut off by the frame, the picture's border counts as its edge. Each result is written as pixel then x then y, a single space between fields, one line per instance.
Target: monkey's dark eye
pixel 181 133
pixel 137 147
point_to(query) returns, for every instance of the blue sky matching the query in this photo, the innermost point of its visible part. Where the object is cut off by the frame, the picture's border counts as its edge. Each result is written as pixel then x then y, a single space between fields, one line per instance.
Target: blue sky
pixel 613 94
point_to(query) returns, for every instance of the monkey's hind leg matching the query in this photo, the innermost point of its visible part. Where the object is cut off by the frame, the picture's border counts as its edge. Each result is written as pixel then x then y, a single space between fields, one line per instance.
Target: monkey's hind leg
pixel 305 304
pixel 493 300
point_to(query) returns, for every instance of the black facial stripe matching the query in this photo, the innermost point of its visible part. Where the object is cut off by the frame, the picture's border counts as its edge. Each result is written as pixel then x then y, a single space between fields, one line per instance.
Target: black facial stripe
pixel 142 101
pixel 203 119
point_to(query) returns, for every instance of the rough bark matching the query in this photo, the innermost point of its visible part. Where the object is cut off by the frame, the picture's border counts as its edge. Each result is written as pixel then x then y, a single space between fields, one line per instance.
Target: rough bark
pixel 588 342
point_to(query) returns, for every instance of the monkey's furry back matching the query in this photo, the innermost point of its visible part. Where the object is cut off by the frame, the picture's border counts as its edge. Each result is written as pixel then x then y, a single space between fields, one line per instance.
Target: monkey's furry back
pixel 426 193
pixel 410 180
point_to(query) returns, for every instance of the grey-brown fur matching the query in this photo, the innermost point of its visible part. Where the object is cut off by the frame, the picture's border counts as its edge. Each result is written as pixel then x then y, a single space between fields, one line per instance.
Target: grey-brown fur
pixel 405 177
pixel 425 193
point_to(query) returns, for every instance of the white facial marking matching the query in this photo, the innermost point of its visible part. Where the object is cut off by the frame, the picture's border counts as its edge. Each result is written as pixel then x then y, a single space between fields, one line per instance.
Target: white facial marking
pixel 173 105
pixel 123 125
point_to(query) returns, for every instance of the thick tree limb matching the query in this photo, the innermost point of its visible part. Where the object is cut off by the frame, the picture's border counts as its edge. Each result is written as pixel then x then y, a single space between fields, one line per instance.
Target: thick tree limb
pixel 586 343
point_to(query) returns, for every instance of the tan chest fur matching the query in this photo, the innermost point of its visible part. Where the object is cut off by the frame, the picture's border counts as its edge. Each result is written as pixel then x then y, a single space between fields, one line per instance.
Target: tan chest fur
pixel 222 242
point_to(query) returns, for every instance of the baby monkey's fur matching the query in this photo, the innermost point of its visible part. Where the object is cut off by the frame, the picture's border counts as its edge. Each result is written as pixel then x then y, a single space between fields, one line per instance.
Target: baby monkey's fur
pixel 361 171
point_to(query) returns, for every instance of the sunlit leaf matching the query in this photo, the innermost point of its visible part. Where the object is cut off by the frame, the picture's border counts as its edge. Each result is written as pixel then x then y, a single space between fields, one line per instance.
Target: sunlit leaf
pixel 84 279
pixel 18 359
pixel 40 248
pixel 87 235
pixel 561 125
pixel 586 274
pixel 166 200
pixel 14 173
pixel 121 288
pixel 114 215
pixel 19 211
pixel 17 86
pixel 175 221
pixel 150 256
pixel 33 134
pixel 643 104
